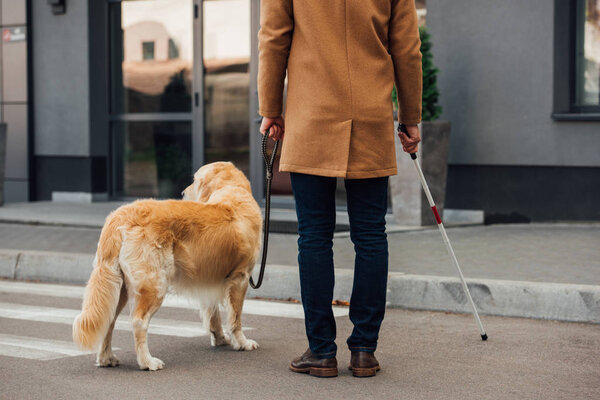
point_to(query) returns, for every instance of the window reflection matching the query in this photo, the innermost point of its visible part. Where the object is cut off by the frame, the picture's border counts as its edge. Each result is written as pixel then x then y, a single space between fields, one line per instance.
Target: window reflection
pixel 588 53
pixel 226 48
pixel 152 70
pixel 151 159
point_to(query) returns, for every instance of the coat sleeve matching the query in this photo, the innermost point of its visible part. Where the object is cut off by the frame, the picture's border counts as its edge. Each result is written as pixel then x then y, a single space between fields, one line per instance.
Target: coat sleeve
pixel 405 49
pixel 274 41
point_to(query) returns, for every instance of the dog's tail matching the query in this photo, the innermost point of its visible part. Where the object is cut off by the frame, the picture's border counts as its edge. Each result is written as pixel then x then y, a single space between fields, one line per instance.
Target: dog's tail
pixel 103 288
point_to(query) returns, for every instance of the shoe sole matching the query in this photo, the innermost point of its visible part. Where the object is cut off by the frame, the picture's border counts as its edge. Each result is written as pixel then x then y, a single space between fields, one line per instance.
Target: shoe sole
pixel 318 372
pixel 364 372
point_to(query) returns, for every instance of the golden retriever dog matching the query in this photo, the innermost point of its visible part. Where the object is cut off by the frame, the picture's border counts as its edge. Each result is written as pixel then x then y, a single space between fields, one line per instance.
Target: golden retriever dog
pixel 205 245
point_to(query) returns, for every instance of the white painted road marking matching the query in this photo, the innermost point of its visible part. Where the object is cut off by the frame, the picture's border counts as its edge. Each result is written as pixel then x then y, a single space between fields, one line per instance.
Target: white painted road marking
pixel 38 349
pixel 41 289
pixel 45 349
pixel 158 326
pixel 252 307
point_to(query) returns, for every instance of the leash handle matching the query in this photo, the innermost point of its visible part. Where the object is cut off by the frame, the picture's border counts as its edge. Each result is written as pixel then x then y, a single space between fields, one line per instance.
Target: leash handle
pixel 269 164
pixel 402 128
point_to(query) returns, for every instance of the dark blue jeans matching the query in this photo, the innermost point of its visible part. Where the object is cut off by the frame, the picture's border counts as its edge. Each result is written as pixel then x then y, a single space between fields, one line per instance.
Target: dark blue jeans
pixel 315 208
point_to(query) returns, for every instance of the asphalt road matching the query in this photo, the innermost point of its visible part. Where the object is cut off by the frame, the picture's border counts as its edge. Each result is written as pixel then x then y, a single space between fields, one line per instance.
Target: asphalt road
pixel 424 355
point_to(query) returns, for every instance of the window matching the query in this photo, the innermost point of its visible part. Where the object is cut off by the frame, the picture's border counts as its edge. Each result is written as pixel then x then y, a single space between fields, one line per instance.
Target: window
pixel 151 116
pixel 576 60
pixel 148 50
pixel 173 50
pixel 148 73
pixel 587 54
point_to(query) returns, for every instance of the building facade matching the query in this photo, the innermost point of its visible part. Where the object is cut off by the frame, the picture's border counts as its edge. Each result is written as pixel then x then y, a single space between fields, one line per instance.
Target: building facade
pixel 110 99
pixel 519 83
pixel 128 98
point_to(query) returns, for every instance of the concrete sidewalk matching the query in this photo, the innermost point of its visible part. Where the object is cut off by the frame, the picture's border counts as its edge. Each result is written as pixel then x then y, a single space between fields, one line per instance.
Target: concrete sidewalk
pixel 533 270
pixel 92 215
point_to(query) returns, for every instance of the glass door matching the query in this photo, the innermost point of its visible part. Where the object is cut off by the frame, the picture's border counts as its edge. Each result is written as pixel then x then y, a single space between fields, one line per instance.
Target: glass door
pixel 151 96
pixel 183 94
pixel 226 92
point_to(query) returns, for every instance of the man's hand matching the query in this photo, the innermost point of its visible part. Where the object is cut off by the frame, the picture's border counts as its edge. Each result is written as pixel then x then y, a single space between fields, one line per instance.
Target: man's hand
pixel 410 143
pixel 275 126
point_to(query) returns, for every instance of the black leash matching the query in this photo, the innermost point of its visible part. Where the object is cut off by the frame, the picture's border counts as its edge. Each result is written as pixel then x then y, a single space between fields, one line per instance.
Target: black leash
pixel 269 165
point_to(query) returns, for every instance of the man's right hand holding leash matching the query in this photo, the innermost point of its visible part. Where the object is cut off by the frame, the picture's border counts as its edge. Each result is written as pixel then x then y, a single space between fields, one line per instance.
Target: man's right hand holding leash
pixel 276 123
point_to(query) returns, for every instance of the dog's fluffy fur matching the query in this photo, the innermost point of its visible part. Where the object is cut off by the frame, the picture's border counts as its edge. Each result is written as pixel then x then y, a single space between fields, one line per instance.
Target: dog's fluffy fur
pixel 206 243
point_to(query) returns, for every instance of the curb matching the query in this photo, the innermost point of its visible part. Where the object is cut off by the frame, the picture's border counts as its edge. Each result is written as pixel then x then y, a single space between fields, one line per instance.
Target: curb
pixel 562 302
pixel 555 301
pixel 26 265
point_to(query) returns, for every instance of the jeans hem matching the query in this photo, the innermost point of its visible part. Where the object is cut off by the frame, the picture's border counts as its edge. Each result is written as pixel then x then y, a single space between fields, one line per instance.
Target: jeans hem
pixel 331 354
pixel 362 348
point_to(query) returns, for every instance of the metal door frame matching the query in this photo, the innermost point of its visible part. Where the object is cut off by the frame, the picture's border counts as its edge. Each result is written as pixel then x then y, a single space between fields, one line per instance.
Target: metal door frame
pixel 198 87
pixel 257 171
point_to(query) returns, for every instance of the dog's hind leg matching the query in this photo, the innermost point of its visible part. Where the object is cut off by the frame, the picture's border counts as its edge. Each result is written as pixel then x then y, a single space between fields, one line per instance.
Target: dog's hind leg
pixel 105 357
pixel 212 323
pixel 235 294
pixel 147 302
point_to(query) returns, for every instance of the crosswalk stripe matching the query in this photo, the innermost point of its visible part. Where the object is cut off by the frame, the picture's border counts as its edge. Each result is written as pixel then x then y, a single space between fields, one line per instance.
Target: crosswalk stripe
pixel 37 348
pixel 32 354
pixel 41 289
pixel 158 326
pixel 251 307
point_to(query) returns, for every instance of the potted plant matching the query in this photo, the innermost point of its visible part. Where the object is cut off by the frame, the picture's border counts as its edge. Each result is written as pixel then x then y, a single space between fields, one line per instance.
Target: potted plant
pixel 409 203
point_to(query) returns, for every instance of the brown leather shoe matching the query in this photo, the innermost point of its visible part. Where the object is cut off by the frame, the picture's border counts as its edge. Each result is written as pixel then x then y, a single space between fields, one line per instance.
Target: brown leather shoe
pixel 363 364
pixel 309 363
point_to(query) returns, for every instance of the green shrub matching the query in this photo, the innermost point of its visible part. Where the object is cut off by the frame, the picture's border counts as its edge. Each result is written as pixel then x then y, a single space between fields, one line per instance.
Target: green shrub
pixel 431 110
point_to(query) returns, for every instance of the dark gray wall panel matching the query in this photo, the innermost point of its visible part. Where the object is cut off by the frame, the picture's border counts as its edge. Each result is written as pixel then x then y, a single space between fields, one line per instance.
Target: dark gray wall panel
pixel 16 191
pixel 98 36
pixel 69 174
pixel 519 194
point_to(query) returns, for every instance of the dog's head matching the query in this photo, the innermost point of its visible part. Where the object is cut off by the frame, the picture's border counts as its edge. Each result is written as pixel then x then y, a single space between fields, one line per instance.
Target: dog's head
pixel 212 177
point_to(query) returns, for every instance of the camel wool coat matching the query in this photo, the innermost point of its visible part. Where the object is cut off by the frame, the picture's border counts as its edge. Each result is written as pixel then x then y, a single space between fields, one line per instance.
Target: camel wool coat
pixel 342 59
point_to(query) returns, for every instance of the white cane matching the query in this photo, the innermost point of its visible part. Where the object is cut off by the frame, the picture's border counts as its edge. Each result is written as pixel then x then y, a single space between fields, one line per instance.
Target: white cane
pixel 402 128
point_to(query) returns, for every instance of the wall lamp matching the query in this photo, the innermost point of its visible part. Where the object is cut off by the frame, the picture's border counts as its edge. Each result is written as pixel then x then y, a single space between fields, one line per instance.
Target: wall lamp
pixel 59 7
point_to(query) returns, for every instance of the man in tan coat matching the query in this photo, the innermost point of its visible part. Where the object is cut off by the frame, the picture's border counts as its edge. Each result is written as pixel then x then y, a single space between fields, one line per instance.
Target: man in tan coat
pixel 342 58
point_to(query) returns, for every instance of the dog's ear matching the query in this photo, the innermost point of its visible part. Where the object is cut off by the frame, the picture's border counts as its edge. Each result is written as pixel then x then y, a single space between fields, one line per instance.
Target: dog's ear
pixel 197 190
pixel 208 180
pixel 203 189
pixel 194 191
pixel 208 186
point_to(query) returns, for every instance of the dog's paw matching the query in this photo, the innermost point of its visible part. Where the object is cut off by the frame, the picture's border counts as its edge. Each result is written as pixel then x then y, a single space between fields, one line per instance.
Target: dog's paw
pixel 153 364
pixel 107 361
pixel 219 341
pixel 248 345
